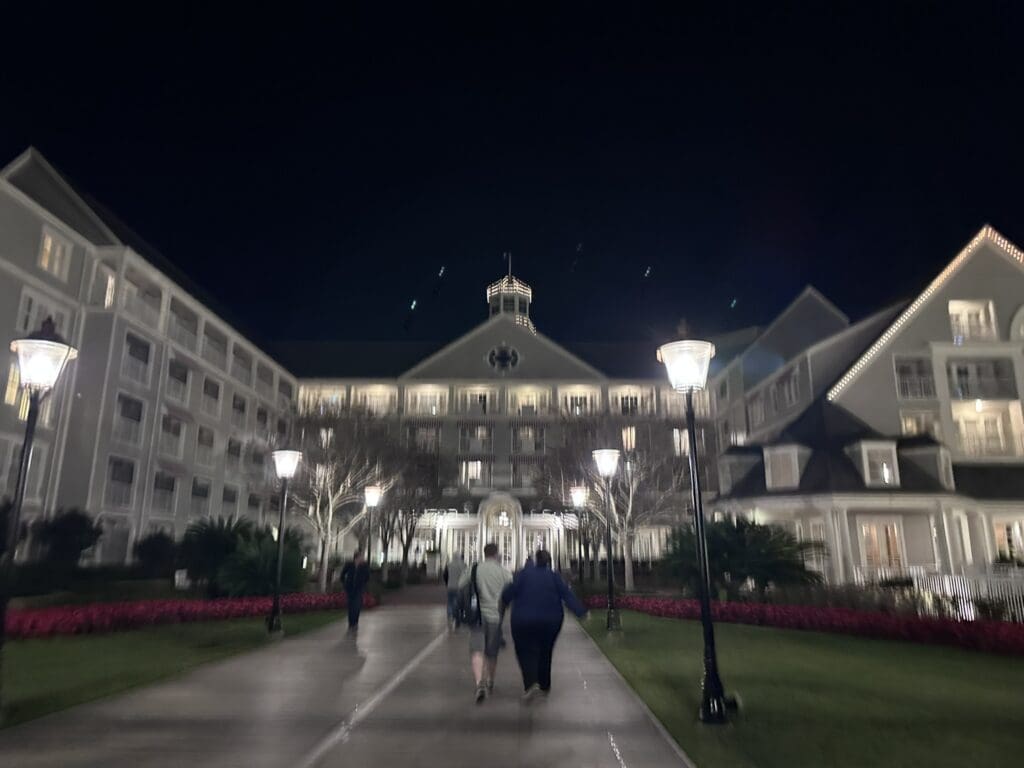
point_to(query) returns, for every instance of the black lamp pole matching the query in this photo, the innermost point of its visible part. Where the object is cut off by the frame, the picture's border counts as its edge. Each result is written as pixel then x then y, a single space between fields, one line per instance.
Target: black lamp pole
pixel 579 541
pixel 274 620
pixel 712 705
pixel 14 521
pixel 613 614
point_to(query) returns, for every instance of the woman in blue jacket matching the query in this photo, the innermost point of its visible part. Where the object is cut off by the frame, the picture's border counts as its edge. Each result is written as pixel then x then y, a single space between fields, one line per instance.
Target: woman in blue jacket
pixel 536 596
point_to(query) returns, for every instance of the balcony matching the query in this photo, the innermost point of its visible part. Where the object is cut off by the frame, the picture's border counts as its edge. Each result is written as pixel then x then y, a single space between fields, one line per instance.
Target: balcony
pixel 143 307
pixel 170 445
pixel 242 371
pixel 181 331
pixel 118 494
pixel 204 454
pixel 475 445
pixel 238 419
pixel 916 387
pixel 200 506
pixel 210 405
pixel 264 387
pixel 163 501
pixel 177 389
pixel 127 430
pixel 215 352
pixel 135 370
pixel 975 446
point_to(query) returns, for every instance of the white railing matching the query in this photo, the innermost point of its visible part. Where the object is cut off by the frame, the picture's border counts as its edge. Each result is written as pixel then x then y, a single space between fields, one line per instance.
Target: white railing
pixel 119 494
pixel 238 419
pixel 139 308
pixel 916 387
pixel 265 388
pixel 211 405
pixel 1008 445
pixel 134 369
pixel 199 507
pixel 241 372
pixel 181 333
pixel 170 445
pixel 163 501
pixel 215 354
pixel 863 575
pixel 204 455
pixel 965 590
pixel 126 430
pixel 475 445
pixel 177 389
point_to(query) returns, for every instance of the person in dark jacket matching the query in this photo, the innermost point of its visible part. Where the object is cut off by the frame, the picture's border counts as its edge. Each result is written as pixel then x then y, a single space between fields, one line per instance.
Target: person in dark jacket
pixel 537 595
pixel 354 578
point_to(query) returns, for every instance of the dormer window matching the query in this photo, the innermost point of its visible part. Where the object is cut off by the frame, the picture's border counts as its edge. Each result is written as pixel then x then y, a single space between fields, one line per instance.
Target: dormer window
pixel 972 320
pixel 878 464
pixel 781 468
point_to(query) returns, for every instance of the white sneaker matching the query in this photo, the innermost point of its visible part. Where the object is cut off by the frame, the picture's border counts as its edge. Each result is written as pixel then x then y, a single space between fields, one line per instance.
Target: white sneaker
pixel 533 692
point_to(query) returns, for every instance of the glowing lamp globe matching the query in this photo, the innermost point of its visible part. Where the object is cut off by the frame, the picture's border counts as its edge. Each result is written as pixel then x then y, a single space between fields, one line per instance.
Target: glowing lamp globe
pixel 579 496
pixel 687 363
pixel 372 494
pixel 607 460
pixel 286 462
pixel 41 357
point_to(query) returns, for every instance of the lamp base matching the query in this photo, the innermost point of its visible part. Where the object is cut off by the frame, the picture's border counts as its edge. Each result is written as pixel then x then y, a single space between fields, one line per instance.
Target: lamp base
pixel 614 623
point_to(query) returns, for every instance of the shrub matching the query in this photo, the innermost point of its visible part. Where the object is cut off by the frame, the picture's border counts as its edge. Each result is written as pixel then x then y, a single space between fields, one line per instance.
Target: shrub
pixel 252 568
pixel 206 547
pixel 156 554
pixel 66 535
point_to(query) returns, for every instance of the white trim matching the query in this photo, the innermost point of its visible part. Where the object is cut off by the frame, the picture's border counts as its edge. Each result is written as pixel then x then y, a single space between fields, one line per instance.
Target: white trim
pixel 986 235
pixel 879 445
pixel 792 450
pixel 884 520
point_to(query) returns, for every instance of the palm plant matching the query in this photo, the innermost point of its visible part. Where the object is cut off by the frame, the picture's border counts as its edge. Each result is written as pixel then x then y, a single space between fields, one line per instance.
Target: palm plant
pixel 207 545
pixel 252 567
pixel 742 554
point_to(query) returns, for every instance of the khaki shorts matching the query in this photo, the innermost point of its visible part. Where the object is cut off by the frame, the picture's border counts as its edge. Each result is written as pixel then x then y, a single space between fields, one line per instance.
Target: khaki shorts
pixel 485 638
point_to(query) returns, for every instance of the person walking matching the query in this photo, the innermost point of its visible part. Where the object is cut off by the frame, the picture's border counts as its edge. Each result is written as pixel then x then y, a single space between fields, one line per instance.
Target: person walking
pixel 536 596
pixel 354 578
pixel 452 576
pixel 486 581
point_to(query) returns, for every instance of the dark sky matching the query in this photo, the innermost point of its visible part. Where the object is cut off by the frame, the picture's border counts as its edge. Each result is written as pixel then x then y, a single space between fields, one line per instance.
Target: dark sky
pixel 314 170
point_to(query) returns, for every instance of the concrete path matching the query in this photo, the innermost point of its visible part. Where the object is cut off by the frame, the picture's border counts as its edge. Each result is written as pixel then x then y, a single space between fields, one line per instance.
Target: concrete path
pixel 398 694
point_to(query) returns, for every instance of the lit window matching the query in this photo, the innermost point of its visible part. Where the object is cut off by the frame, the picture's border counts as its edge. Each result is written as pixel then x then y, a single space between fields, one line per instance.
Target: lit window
pixel 35 308
pixel 55 255
pixel 972 320
pixel 13 379
pixel 919 423
pixel 881 545
pixel 629 438
pixel 880 466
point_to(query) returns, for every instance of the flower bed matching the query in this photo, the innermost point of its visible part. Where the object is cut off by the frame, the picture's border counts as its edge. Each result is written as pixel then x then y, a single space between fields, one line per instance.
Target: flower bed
pixel 990 636
pixel 113 617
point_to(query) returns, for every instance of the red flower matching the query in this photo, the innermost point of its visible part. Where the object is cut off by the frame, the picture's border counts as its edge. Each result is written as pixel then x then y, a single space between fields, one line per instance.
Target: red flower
pixel 991 636
pixel 110 617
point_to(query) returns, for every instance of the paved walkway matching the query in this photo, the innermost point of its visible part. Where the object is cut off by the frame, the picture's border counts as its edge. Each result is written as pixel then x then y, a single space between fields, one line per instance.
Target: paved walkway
pixel 398 694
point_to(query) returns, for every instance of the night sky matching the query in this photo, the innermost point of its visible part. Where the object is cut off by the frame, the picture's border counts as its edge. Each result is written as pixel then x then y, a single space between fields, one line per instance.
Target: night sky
pixel 315 172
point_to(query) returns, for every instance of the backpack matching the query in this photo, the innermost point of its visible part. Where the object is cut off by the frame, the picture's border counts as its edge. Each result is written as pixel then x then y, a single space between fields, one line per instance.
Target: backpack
pixel 467 609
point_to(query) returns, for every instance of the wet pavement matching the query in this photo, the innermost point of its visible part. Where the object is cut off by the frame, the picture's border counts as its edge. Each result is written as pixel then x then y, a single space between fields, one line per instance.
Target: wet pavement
pixel 399 693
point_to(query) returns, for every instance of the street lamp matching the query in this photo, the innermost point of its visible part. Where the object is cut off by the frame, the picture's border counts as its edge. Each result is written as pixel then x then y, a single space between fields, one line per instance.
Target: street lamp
pixel 687 365
pixel 371 496
pixel 578 494
pixel 607 460
pixel 286 462
pixel 42 357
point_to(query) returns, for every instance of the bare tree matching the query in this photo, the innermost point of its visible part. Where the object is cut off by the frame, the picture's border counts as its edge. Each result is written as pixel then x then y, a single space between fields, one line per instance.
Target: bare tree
pixel 343 452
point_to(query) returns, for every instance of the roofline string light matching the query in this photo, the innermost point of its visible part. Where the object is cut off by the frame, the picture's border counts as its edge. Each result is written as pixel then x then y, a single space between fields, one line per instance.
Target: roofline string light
pixel 987 233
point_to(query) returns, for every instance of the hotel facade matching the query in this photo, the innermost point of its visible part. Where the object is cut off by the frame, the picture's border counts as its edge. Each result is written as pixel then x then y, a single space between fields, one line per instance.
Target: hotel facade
pixel 898 440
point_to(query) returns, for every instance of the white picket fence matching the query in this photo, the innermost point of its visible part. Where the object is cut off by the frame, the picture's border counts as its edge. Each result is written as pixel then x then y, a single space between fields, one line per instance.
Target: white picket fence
pixel 966 589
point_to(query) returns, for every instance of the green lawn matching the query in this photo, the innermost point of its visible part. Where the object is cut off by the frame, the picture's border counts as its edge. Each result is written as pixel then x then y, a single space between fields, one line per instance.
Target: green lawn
pixel 48 674
pixel 811 699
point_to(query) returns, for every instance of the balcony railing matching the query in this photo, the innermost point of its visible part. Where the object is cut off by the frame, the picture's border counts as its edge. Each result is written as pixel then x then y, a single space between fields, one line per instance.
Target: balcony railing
pixel 177 389
pixel 1007 445
pixel 180 332
pixel 984 389
pixel 238 419
pixel 241 371
pixel 211 405
pixel 214 353
pixel 204 455
pixel 127 430
pixel 170 445
pixel 199 507
pixel 916 387
pixel 265 388
pixel 232 462
pixel 139 308
pixel 163 501
pixel 134 369
pixel 119 494
pixel 475 445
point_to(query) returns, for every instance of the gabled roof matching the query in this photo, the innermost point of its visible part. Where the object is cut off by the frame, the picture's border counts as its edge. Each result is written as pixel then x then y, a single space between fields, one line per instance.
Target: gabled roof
pixel 538 356
pixel 33 175
pixel 986 234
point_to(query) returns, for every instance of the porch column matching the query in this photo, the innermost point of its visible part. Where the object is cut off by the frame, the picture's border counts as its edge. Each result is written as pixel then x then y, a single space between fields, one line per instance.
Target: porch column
pixel 940 538
pixel 842 555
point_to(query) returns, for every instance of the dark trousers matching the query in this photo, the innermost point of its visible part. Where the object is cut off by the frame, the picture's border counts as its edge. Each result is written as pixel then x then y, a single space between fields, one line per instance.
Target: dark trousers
pixel 535 642
pixel 355 605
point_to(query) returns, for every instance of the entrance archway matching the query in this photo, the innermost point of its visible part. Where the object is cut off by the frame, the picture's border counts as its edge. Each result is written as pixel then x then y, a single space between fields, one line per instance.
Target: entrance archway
pixel 501 519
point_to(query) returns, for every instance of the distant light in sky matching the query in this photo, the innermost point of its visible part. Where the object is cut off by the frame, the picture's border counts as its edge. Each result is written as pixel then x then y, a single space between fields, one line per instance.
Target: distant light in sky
pixel 413 305
pixel 732 304
pixel 647 272
pixel 441 271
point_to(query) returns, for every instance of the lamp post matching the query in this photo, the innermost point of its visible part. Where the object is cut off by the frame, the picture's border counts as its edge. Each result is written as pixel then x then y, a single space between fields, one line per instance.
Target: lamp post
pixel 42 357
pixel 286 462
pixel 607 460
pixel 687 365
pixel 578 494
pixel 371 496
